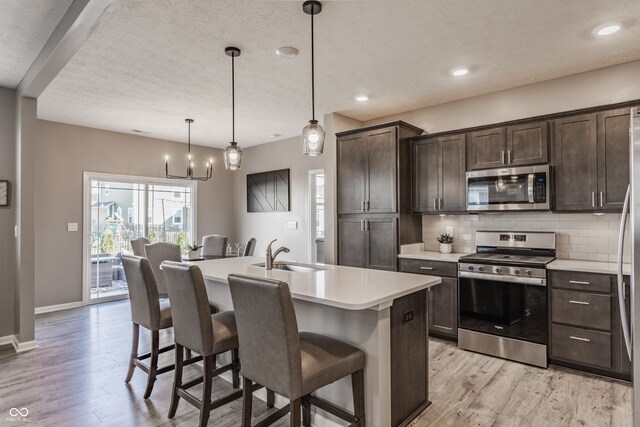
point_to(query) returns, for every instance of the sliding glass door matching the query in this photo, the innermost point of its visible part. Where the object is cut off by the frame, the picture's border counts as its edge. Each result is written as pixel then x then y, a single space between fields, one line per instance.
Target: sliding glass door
pixel 120 209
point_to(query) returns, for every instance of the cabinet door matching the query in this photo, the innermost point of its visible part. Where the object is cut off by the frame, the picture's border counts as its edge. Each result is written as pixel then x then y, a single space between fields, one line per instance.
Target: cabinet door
pixel 613 158
pixel 575 163
pixel 426 182
pixel 443 308
pixel 486 149
pixel 527 144
pixel 352 248
pixel 381 171
pixel 351 173
pixel 452 174
pixel 382 244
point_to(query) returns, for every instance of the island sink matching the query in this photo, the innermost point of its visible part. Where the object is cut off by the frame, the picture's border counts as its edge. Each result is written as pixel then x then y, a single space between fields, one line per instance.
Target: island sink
pixel 294 267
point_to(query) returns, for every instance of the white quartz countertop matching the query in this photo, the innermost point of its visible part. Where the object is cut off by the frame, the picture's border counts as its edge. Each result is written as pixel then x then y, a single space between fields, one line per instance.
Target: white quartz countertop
pixel 344 287
pixel 588 266
pixel 433 256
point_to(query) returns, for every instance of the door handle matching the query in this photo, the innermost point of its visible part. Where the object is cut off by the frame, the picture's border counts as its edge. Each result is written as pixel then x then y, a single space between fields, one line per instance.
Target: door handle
pixel 426 268
pixel 508 157
pixel 362 206
pixel 579 338
pixel 366 206
pixel 435 203
pixel 440 203
pixel 579 282
pixel 502 157
pixel 578 302
pixel 362 225
pixel 366 225
pixel 593 199
pixel 601 200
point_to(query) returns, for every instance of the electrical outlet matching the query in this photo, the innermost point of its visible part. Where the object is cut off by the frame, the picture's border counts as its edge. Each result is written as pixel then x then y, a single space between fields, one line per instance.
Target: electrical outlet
pixel 72 226
pixel 407 317
pixel 450 230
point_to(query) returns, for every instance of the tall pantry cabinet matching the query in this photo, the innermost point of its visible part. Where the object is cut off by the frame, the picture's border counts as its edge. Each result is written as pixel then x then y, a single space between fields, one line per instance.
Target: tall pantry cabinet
pixel 374 195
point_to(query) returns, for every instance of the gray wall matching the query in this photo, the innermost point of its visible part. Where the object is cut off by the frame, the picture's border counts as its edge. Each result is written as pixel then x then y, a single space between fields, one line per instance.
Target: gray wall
pixel 7 215
pixel 601 87
pixel 64 152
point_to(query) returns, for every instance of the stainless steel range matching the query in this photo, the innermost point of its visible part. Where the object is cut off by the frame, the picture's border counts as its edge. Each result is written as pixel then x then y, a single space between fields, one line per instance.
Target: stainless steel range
pixel 503 295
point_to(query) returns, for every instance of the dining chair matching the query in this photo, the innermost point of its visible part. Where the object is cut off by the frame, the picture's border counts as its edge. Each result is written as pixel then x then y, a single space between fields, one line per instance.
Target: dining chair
pixel 148 311
pixel 157 253
pixel 250 247
pixel 214 245
pixel 291 363
pixel 137 246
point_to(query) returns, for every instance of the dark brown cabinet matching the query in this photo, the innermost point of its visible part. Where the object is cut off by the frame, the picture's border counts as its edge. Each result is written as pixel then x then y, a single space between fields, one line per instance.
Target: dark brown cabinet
pixel 374 197
pixel 517 145
pixel 443 298
pixel 439 174
pixel 364 242
pixel 585 331
pixel 591 161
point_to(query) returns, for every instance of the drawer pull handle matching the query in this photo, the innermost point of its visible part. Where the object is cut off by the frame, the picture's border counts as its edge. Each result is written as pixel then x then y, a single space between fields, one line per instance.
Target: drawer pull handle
pixel 579 282
pixel 426 268
pixel 578 302
pixel 579 338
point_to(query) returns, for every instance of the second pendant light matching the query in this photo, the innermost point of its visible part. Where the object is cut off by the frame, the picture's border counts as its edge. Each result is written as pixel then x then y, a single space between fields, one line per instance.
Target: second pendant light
pixel 233 153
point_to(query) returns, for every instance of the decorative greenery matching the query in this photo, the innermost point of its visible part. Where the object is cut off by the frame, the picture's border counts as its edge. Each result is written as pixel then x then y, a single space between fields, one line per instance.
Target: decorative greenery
pixel 153 236
pixel 194 247
pixel 181 240
pixel 107 245
pixel 445 238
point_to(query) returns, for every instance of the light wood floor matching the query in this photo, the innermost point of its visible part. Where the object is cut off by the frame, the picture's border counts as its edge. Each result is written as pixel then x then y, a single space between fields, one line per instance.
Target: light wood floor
pixel 76 378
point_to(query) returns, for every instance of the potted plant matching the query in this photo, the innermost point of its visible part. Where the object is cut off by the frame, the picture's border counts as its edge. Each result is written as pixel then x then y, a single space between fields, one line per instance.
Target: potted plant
pixel 446 243
pixel 194 251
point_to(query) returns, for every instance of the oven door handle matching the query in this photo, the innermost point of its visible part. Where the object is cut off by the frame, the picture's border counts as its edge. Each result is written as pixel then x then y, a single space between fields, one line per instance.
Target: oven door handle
pixel 530 188
pixel 511 279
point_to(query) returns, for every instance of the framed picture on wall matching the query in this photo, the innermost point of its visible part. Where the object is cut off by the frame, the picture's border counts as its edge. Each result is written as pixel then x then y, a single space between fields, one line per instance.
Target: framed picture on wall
pixel 4 193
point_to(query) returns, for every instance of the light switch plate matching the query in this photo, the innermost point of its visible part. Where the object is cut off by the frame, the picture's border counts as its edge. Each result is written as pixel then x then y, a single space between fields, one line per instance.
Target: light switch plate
pixel 72 226
pixel 15 231
pixel 292 225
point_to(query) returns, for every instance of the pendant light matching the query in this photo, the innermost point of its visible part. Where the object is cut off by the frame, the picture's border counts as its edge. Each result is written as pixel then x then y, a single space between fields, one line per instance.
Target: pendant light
pixel 189 174
pixel 233 153
pixel 313 133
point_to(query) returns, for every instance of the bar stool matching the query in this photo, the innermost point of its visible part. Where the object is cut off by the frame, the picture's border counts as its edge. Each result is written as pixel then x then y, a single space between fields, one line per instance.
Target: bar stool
pixel 196 329
pixel 291 363
pixel 137 245
pixel 149 312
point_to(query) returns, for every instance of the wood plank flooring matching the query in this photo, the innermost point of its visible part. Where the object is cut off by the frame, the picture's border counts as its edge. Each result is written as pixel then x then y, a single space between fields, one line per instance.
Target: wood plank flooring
pixel 76 378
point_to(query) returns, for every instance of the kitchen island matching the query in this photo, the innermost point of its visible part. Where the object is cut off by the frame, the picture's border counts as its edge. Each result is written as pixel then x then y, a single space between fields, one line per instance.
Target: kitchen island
pixel 384 313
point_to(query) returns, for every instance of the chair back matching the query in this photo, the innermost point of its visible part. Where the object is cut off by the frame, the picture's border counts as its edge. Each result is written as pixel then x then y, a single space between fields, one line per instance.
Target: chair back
pixel 156 254
pixel 250 247
pixel 192 325
pixel 137 245
pixel 143 293
pixel 267 333
pixel 214 245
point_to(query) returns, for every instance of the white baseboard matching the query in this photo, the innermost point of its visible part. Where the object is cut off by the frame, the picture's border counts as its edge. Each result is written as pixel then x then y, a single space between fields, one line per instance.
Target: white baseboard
pixel 317 420
pixel 6 340
pixel 58 307
pixel 20 347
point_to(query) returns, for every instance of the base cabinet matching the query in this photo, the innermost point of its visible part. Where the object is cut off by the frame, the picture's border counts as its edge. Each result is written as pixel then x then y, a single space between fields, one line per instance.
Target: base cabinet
pixel 585 331
pixel 442 298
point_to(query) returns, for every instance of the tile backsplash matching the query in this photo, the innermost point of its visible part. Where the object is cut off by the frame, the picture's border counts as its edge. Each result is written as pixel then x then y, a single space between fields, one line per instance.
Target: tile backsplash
pixel 579 236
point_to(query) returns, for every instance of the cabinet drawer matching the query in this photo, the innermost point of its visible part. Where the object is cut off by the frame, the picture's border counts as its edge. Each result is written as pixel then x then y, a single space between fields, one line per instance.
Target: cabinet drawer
pixel 581 309
pixel 433 268
pixel 581 281
pixel 581 346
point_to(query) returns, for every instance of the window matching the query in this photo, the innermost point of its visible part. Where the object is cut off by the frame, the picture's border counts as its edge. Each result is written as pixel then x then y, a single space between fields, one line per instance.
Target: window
pixel 177 218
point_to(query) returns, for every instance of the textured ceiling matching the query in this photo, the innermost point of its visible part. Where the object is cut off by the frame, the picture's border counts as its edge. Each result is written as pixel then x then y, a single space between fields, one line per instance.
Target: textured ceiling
pixel 153 63
pixel 25 27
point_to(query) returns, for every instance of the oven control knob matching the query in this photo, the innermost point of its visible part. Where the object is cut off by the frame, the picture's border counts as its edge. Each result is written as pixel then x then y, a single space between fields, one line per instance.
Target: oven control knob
pixel 516 272
pixel 498 270
pixel 481 268
pixel 527 272
pixel 470 268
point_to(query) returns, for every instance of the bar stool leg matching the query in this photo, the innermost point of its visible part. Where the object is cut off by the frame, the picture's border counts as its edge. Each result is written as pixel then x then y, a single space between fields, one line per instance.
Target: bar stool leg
pixel 247 401
pixel 357 385
pixel 177 380
pixel 134 352
pixel 294 408
pixel 306 411
pixel 271 399
pixel 205 409
pixel 153 367
pixel 235 371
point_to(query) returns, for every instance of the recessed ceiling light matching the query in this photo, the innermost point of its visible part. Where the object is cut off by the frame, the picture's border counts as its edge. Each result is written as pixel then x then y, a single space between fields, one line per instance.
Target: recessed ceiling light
pixel 287 52
pixel 459 71
pixel 275 135
pixel 362 98
pixel 607 29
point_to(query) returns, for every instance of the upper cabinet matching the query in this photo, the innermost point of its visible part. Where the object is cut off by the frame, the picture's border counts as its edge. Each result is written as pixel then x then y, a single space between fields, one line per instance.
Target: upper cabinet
pixel 439 174
pixel 591 161
pixel 517 145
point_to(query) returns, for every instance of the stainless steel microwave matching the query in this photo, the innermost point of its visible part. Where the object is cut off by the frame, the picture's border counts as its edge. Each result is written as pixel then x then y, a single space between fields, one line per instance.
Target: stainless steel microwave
pixel 507 189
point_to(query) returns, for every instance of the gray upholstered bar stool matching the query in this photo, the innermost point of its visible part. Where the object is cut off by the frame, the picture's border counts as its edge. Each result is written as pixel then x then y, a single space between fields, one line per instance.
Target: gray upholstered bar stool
pixel 250 247
pixel 157 253
pixel 214 245
pixel 196 329
pixel 291 363
pixel 137 246
pixel 149 312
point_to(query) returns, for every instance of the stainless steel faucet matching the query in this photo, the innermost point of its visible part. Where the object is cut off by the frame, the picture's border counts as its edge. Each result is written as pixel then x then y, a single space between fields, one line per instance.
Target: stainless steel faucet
pixel 270 258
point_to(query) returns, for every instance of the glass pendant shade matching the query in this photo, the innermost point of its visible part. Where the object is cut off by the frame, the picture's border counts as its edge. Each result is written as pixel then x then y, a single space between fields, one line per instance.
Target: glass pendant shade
pixel 232 157
pixel 313 139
